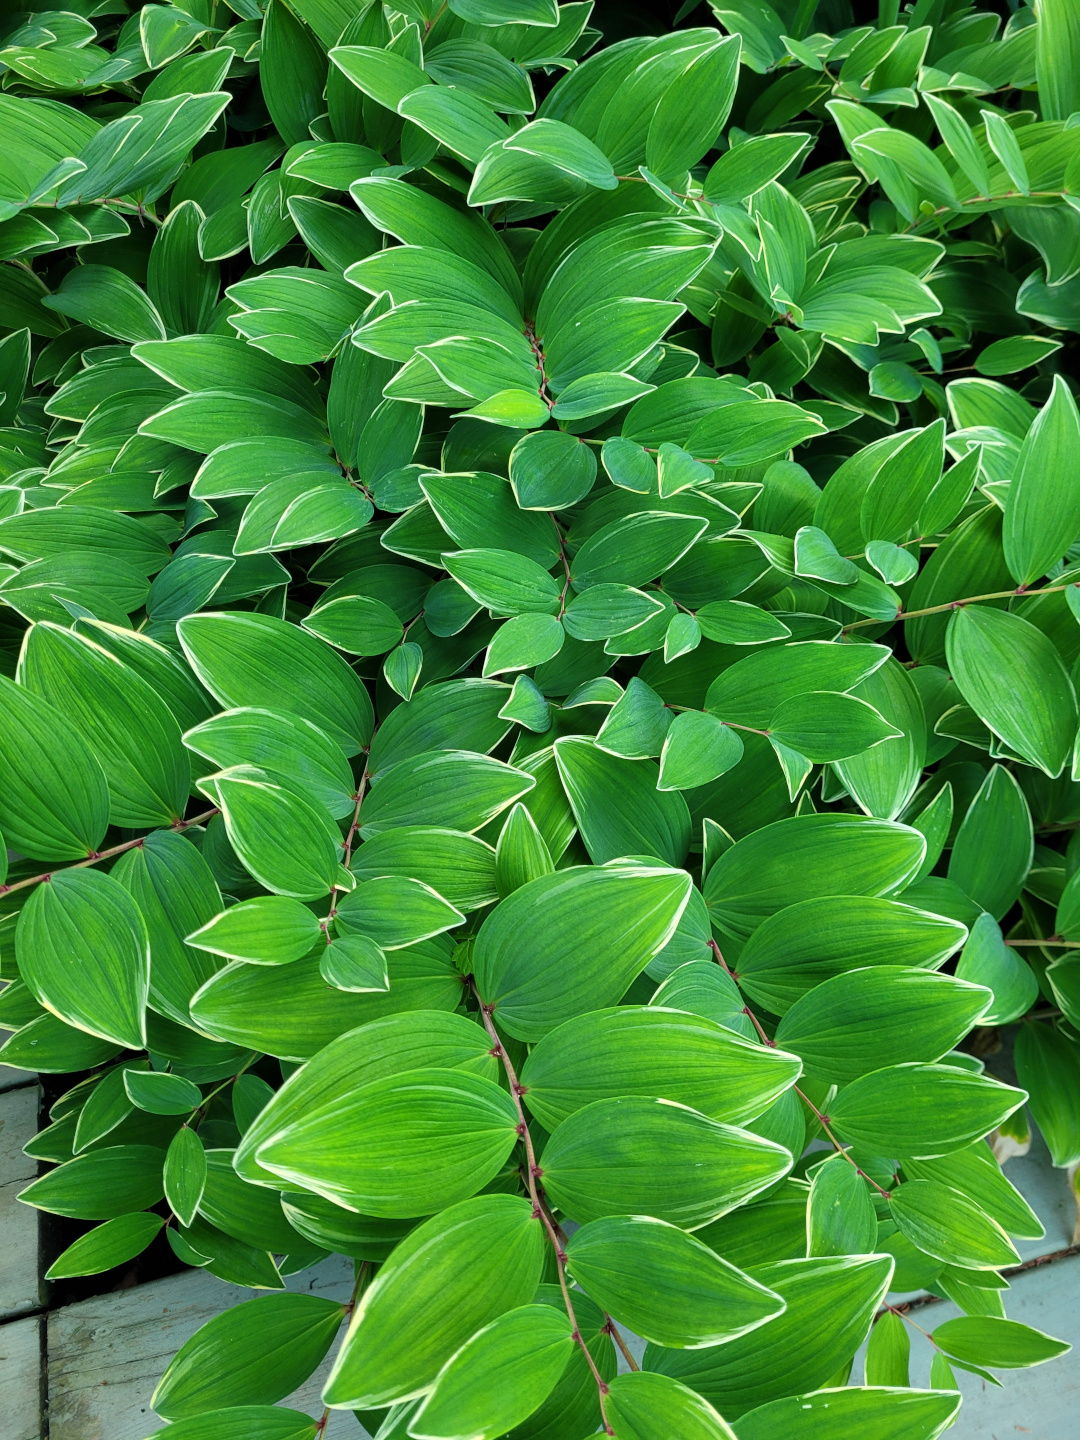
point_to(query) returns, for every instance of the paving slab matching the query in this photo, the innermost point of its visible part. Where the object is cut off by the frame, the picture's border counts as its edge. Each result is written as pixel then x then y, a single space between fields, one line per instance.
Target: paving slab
pixel 1042 1403
pixel 20 1287
pixel 107 1354
pixel 20 1379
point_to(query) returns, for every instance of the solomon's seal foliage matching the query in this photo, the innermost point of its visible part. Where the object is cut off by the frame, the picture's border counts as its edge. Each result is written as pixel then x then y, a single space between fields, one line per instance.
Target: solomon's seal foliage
pixel 541 569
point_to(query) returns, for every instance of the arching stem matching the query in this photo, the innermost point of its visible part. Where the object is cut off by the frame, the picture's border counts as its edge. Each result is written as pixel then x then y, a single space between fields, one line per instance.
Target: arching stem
pixel 540 1210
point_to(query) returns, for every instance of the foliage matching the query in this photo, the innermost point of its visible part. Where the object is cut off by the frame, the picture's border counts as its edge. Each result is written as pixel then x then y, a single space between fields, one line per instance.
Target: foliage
pixel 541 569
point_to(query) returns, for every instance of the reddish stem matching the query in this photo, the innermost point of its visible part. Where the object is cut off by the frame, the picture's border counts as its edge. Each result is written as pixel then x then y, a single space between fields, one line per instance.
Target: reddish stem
pixel 350 840
pixel 823 1120
pixel 540 1210
pixel 99 855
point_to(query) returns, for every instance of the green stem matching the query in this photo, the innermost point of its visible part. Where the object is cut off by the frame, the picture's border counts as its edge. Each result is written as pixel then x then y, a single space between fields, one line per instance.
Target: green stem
pixel 200 1109
pixel 1050 940
pixel 959 604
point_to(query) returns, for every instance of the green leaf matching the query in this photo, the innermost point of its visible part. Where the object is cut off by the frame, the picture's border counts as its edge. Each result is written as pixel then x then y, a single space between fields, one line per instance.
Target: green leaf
pixel 893 380
pixel 523 642
pixel 749 166
pixel 697 748
pixel 830 1305
pixel 666 1285
pixel 805 944
pixel 258 660
pixel 128 726
pixel 1035 716
pixel 247 1422
pixel 185 1174
pixel 48 1045
pixel 826 725
pixel 505 582
pixel 902 486
pixel 108 300
pixel 924 177
pixel 173 887
pixel 499 1377
pixel 1042 511
pixel 987 960
pixel 808 857
pixel 256 1353
pixel 289 844
pixel 1002 1344
pixel 975 1173
pixel 290 1011
pixel 920 1110
pixel 355 963
pixel 1006 147
pixel 452 1276
pixel 961 143
pixel 461 122
pixel 250 1095
pixel 833 1414
pixel 387 1046
pixel 100 1185
pixel 646 1407
pixel 550 469
pixel 452 789
pixel 883 779
pixel 616 918
pixel 395 911
pixel 106 1107
pixel 161 1093
pixel 749 691
pixel 1014 353
pixel 460 867
pixel 654 1157
pixel 617 805
pixel 883 1015
pixel 384 75
pixel 950 1227
pixel 840 1218
pixel 269 930
pixel 249 1214
pixel 106 1246
pixel 635 549
pixel 83 951
pixel 887 1352
pixel 285 746
pixel 993 849
pixel 816 557
pixel 1047 1064
pixel 182 285
pixel 462 714
pixel 693 111
pixel 689 1059
pixel 749 431
pixel 292 73
pixel 521 854
pixel 734 622
pixel 54 803
pixel 636 724
pixel 370 1149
